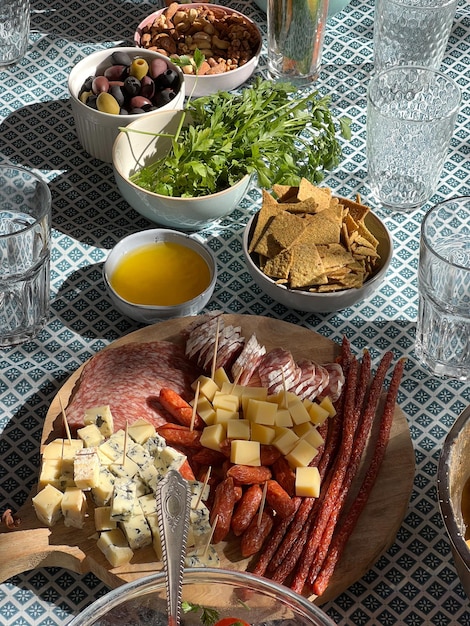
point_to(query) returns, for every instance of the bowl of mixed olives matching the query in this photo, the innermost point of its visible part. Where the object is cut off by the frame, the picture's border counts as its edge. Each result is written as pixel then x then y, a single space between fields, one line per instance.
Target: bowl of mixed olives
pixel 111 88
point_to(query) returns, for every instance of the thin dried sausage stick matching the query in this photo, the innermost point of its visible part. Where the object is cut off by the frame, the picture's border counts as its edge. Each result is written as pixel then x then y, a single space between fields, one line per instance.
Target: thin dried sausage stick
pixel 179 409
pixel 342 536
pixel 248 474
pixel 357 451
pixel 334 487
pixel 246 509
pixel 222 509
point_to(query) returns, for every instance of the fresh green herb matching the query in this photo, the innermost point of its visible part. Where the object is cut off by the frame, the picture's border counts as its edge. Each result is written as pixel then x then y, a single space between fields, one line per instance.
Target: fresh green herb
pixel 268 129
pixel 208 616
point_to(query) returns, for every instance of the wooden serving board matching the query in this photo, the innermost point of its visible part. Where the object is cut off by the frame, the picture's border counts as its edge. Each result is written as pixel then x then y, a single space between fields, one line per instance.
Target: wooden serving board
pixel 31 545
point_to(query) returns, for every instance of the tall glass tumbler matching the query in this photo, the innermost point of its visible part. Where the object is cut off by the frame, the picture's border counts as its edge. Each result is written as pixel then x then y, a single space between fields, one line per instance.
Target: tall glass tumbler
pixel 443 327
pixel 14 30
pixel 411 113
pixel 25 224
pixel 296 31
pixel 412 32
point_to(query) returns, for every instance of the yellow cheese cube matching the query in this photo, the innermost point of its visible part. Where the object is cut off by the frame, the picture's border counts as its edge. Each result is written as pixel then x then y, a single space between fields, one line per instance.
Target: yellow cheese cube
pixel 62 449
pixel 283 418
pixel 205 410
pixel 141 430
pixel 318 414
pixel 207 387
pixel 213 435
pixel 314 438
pixel 90 435
pixel 327 404
pixel 263 434
pixel 299 413
pixel 285 440
pixel 307 482
pixel 47 505
pixel 232 389
pixel 221 377
pixel 56 472
pixel 301 454
pixel 102 417
pixel 222 416
pixel 258 393
pixel 74 507
pixel 227 401
pixel 115 548
pixel 261 412
pixel 238 429
pixel 245 452
pixel 303 429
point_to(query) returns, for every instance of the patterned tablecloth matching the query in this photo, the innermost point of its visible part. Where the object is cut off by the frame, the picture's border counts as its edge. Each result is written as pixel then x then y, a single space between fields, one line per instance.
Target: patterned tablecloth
pixel 415 581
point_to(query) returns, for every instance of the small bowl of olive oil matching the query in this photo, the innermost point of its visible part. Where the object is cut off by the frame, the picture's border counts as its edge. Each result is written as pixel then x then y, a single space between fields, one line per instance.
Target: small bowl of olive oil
pixel 160 274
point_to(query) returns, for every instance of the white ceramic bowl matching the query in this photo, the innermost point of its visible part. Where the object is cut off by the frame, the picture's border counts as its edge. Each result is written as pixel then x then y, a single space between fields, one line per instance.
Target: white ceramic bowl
pixel 96 130
pixel 206 85
pixel 326 302
pixel 132 150
pixel 452 476
pixel 147 314
pixel 232 594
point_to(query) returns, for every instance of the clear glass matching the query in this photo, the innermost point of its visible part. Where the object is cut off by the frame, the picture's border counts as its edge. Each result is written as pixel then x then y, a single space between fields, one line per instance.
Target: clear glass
pixel 411 113
pixel 296 30
pixel 25 224
pixel 14 30
pixel 443 327
pixel 412 32
pixel 232 593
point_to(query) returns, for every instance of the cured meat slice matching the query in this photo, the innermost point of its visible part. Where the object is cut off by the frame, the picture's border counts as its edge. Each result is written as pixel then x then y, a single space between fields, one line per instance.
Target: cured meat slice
pixel 202 337
pixel 311 379
pixel 248 360
pixel 278 370
pixel 128 378
pixel 335 381
pixel 230 344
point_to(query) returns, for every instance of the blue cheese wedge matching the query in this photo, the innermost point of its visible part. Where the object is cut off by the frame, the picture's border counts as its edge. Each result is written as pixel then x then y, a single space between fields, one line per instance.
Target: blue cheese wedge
pixel 113 544
pixel 141 431
pixel 74 507
pixel 124 499
pixel 125 469
pixel 199 530
pixel 47 505
pixel 139 455
pixel 91 436
pixel 207 557
pixel 152 520
pixel 86 469
pixel 103 519
pixel 137 531
pixel 102 417
pixel 155 444
pixel 169 458
pixel 114 446
pixel 103 492
pixel 56 472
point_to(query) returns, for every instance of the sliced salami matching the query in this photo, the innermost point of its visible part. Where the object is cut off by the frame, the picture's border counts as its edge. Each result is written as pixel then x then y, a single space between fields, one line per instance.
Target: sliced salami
pixel 128 378
pixel 248 360
pixel 335 381
pixel 278 370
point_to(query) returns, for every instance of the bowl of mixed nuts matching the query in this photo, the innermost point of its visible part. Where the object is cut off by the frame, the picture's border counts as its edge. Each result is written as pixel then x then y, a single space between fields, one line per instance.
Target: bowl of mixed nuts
pixel 230 42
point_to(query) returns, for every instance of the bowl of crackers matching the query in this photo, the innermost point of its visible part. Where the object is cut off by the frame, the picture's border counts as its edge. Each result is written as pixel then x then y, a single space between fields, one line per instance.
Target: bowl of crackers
pixel 313 251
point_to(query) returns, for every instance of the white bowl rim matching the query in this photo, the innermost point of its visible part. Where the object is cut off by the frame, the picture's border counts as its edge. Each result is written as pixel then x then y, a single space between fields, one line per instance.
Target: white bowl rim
pixel 204 78
pixel 325 295
pixel 158 234
pixel 112 598
pixel 109 51
pixel 122 136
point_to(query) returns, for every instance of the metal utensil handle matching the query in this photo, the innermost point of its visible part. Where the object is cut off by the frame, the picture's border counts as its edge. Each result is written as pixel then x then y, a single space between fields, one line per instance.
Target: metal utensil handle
pixel 173 505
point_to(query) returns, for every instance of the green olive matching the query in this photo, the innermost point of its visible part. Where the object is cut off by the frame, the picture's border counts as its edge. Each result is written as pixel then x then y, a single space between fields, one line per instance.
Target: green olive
pixel 106 103
pixel 83 97
pixel 139 68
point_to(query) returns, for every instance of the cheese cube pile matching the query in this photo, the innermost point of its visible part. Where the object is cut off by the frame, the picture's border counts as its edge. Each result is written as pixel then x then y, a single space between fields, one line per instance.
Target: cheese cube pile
pixel 249 417
pixel 116 477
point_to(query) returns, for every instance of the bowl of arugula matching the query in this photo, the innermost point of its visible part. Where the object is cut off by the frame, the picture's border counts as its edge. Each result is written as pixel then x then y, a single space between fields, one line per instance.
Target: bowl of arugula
pixel 187 169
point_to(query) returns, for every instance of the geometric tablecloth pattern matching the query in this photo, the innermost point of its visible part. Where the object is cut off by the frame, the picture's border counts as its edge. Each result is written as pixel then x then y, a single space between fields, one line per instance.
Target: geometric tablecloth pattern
pixel 414 583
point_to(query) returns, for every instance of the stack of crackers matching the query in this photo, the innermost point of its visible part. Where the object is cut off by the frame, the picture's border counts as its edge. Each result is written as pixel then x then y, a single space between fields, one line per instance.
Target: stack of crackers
pixel 307 239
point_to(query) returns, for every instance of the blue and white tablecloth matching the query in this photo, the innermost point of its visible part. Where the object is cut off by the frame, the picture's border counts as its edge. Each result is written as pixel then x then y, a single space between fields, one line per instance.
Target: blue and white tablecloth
pixel 414 583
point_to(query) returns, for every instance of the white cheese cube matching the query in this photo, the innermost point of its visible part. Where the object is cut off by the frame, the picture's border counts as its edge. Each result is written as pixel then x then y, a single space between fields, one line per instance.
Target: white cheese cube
pixel 128 469
pixel 307 482
pixel 123 500
pixel 91 436
pixel 103 492
pixel 137 531
pixel 199 492
pixel 141 431
pixel 103 519
pixel 245 452
pixel 86 468
pixel 47 505
pixel 155 444
pixel 115 548
pixel 56 472
pixel 152 520
pixel 199 530
pixel 102 417
pixel 202 557
pixel 169 458
pixel 74 507
pixel 150 475
pixel 148 504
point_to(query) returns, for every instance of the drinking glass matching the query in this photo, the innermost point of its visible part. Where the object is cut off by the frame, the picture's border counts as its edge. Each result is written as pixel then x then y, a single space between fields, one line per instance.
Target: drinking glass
pixel 443 328
pixel 412 32
pixel 411 113
pixel 25 223
pixel 14 30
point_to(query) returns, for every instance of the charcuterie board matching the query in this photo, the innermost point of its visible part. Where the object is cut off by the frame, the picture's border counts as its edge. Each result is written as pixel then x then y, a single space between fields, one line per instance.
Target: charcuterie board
pixel 32 545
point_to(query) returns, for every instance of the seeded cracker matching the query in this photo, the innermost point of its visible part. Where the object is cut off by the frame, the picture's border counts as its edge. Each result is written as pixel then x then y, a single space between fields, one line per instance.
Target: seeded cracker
pixel 269 209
